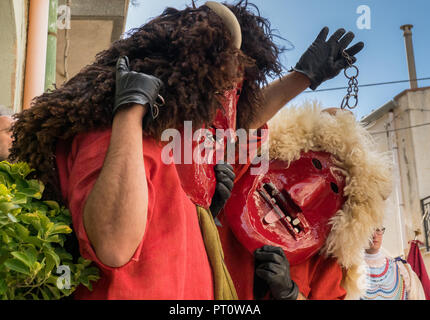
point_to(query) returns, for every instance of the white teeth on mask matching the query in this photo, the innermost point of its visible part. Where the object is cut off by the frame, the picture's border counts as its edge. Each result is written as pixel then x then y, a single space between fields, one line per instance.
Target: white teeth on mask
pixel 269 193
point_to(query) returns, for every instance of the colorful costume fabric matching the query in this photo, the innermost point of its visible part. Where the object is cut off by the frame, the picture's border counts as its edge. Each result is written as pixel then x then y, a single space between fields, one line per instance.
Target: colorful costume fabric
pixel 391 279
pixel 385 280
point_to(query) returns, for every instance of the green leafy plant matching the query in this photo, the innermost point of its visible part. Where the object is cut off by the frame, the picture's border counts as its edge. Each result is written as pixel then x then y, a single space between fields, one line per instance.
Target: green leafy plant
pixel 33 261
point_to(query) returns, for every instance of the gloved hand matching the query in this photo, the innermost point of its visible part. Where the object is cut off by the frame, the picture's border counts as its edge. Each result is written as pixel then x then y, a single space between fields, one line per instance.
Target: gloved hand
pixel 272 272
pixel 323 60
pixel 225 176
pixel 135 87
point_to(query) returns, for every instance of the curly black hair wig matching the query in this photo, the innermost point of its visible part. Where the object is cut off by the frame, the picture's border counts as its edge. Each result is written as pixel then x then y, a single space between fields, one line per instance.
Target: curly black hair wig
pixel 190 50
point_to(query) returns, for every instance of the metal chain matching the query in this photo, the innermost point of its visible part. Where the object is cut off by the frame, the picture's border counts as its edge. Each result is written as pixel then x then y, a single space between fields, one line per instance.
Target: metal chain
pixel 159 102
pixel 352 91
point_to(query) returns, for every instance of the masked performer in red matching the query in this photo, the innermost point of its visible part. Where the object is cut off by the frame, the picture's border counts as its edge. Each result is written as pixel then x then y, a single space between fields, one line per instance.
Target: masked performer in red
pixel 299 229
pixel 96 143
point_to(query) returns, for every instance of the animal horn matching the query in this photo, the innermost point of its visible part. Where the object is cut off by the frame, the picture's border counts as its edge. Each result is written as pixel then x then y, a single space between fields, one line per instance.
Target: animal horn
pixel 229 20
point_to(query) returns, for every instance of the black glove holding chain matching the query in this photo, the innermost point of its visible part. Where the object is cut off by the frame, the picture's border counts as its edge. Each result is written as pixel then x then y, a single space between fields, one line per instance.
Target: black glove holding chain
pixel 272 272
pixel 324 60
pixel 135 87
pixel 225 176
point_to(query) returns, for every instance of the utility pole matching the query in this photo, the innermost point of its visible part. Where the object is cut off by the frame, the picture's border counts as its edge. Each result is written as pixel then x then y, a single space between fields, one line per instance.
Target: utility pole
pixel 407 33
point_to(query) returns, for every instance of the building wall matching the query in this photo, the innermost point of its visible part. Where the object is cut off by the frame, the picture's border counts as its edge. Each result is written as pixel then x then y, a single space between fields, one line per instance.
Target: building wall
pixel 408 170
pixel 418 108
pixel 411 113
pixel 13 39
pixel 415 106
pixel 83 45
pixel 394 240
pixel 94 25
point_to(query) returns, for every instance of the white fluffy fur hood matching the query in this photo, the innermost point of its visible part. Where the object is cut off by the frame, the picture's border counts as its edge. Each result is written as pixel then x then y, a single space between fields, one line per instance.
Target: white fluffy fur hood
pixel 368 178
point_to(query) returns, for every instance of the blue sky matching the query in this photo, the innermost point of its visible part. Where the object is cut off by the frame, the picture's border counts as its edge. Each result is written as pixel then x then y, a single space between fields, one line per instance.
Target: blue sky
pixel 299 21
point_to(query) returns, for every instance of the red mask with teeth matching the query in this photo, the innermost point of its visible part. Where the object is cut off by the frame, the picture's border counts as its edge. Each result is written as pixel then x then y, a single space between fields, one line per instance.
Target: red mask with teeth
pixel 198 179
pixel 289 206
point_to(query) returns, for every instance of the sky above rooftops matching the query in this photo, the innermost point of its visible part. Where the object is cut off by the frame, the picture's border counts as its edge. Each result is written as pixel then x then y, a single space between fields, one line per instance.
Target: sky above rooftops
pixel 299 21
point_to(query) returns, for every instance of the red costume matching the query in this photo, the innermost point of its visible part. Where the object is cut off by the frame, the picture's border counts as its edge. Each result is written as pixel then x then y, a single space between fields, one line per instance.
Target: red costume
pixel 173 222
pixel 151 273
pixel 318 278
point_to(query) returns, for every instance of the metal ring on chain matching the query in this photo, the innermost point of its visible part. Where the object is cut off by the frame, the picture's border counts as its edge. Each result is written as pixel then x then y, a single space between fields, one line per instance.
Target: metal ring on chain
pixel 352 84
pixel 345 102
pixel 159 102
pixel 155 111
pixel 345 72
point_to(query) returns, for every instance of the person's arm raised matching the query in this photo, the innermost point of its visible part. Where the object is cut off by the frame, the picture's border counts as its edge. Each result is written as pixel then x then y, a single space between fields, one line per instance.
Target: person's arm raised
pixel 278 93
pixel 115 213
pixel 322 61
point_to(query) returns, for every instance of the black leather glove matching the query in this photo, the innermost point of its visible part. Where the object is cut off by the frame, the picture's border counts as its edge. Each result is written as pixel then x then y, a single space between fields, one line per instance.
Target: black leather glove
pixel 272 272
pixel 135 87
pixel 225 176
pixel 323 60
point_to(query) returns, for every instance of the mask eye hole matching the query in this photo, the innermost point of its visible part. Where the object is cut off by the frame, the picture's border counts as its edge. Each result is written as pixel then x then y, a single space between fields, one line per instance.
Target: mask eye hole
pixel 317 164
pixel 334 187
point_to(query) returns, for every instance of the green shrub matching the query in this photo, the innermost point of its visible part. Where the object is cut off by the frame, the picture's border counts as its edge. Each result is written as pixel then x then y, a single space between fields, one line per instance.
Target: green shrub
pixel 33 261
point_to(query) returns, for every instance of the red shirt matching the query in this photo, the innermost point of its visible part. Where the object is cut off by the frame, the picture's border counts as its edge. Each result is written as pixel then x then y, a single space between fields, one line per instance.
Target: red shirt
pixel 318 278
pixel 171 260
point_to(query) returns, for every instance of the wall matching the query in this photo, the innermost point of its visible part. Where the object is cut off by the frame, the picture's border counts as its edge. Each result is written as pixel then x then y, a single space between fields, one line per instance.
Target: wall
pixel 394 240
pixel 415 108
pixel 411 113
pixel 83 45
pixel 13 38
pixel 94 25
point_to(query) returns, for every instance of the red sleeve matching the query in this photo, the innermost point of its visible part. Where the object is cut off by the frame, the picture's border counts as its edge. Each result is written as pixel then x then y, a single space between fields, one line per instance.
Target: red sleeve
pixel 79 168
pixel 255 140
pixel 326 281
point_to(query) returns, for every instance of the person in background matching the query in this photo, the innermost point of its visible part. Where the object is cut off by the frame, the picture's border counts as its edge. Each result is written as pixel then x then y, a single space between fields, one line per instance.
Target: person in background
pixel 388 278
pixel 6 122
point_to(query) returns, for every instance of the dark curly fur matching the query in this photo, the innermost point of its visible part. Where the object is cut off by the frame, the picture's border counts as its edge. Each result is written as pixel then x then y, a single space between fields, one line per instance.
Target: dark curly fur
pixel 189 50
